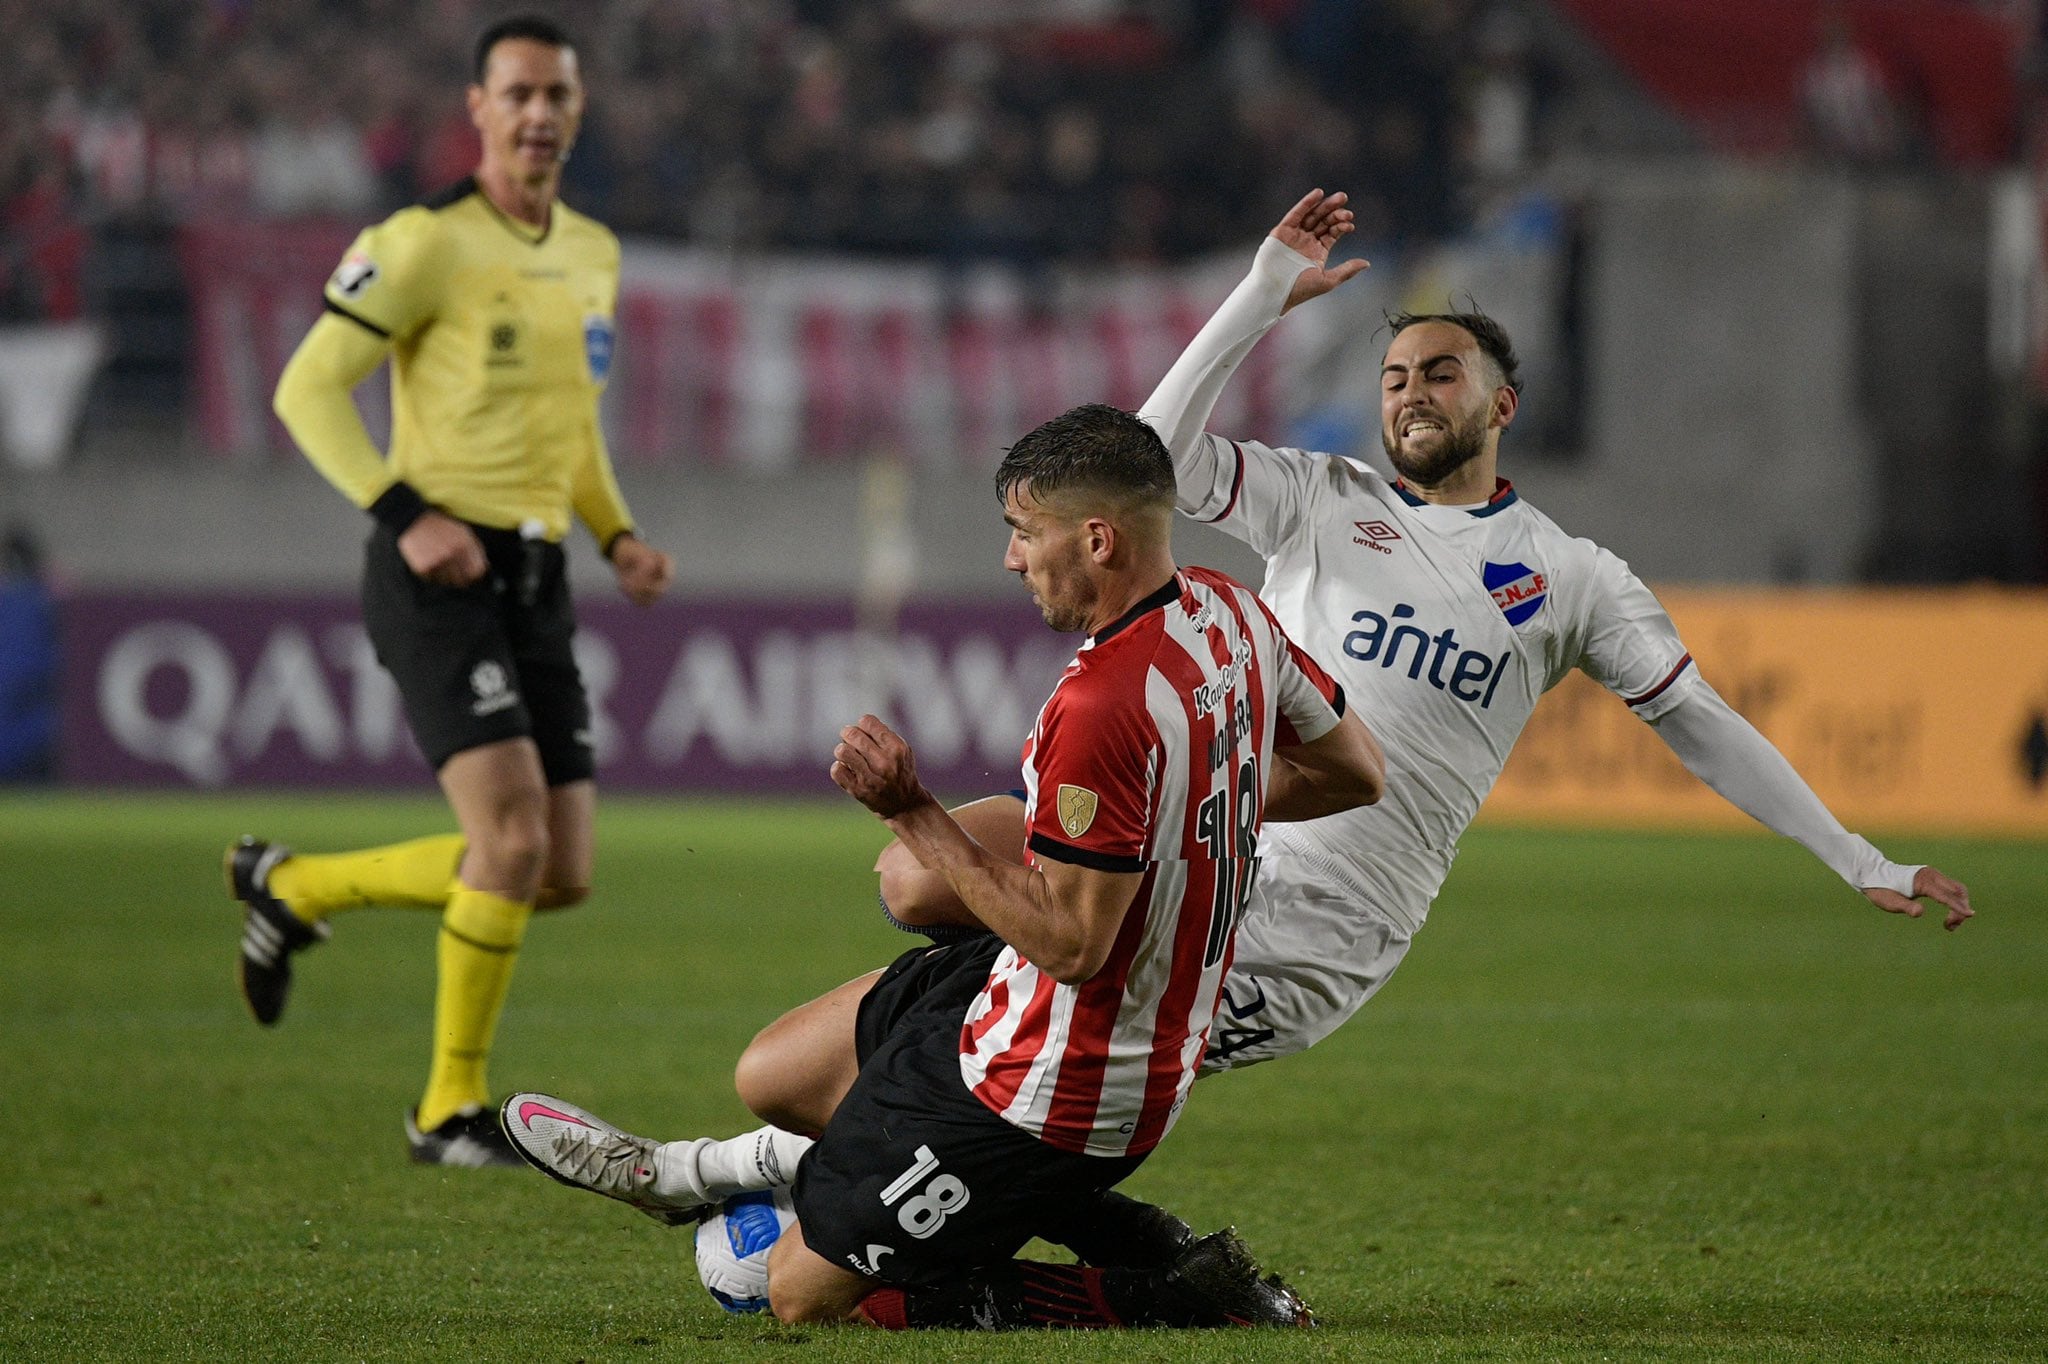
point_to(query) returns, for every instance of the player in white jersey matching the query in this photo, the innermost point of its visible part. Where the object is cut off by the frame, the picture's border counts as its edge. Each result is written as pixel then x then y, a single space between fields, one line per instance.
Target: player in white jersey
pixel 997 1082
pixel 1447 605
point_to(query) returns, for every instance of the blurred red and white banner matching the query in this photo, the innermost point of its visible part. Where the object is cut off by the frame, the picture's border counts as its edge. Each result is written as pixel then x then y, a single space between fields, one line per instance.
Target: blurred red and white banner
pixel 767 362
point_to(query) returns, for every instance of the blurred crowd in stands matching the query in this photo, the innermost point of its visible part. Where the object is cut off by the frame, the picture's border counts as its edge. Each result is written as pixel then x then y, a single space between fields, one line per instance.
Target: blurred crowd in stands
pixel 1023 131
pixel 1152 130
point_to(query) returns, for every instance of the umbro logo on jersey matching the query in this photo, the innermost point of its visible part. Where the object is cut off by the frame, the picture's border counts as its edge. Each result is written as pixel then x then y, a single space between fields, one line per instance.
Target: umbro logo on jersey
pixel 1517 589
pixel 1374 535
pixel 1076 806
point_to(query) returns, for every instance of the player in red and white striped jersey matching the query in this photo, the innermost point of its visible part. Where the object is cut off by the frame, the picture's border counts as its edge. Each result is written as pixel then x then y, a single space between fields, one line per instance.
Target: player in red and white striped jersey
pixel 1147 760
pixel 972 1096
pixel 1077 1029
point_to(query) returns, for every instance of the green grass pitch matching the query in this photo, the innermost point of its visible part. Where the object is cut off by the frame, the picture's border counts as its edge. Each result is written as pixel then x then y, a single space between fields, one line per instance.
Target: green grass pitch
pixel 1633 1097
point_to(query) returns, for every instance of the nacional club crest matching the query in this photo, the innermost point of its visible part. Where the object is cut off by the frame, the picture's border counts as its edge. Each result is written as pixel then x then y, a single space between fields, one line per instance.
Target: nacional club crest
pixel 1517 589
pixel 1076 805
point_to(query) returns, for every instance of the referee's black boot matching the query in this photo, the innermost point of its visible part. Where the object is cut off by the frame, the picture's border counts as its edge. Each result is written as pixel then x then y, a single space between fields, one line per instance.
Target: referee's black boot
pixel 271 933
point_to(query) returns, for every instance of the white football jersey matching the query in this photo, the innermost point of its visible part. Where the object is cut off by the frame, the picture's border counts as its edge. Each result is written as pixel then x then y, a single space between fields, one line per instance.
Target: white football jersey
pixel 1445 625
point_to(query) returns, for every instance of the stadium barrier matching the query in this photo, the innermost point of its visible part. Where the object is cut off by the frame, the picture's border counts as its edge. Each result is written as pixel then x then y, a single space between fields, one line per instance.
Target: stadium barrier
pixel 1923 710
pixel 764 361
pixel 211 691
pixel 1912 710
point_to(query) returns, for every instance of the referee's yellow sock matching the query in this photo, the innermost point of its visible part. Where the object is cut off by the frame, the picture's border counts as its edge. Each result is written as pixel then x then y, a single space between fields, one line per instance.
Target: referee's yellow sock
pixel 412 875
pixel 480 936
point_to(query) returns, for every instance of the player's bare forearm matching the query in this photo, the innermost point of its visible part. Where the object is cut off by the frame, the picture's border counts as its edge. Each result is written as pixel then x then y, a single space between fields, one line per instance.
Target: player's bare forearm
pixel 918 896
pixel 1293 795
pixel 1013 901
pixel 1339 771
pixel 1064 918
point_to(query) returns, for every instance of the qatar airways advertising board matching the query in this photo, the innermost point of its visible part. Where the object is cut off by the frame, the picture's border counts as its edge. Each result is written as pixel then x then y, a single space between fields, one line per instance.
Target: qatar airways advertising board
pixel 217 690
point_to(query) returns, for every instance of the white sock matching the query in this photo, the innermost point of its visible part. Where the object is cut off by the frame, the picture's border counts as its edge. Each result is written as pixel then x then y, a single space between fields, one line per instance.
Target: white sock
pixel 707 1169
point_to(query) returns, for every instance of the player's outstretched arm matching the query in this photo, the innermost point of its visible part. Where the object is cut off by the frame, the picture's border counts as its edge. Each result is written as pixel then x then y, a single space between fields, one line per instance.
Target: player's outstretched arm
pixel 1728 753
pixel 1929 883
pixel 1291 267
pixel 1313 227
pixel 1339 771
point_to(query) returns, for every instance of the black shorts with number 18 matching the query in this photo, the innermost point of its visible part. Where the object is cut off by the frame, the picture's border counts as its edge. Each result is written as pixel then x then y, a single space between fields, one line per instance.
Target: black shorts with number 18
pixel 914 1179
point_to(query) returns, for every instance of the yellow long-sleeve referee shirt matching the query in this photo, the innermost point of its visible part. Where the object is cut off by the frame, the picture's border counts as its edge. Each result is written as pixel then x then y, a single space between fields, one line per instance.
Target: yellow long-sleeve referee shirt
pixel 500 337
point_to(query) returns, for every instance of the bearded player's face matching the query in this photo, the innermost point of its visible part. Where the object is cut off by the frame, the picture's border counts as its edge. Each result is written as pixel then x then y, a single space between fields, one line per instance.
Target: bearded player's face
pixel 1436 402
pixel 528 108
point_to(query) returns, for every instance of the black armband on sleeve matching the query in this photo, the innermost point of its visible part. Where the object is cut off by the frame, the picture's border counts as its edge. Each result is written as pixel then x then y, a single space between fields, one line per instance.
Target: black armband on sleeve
pixel 1083 857
pixel 398 506
pixel 365 323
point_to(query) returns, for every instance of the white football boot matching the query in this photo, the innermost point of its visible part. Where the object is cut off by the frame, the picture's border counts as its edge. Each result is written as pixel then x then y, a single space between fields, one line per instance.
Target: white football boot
pixel 582 1150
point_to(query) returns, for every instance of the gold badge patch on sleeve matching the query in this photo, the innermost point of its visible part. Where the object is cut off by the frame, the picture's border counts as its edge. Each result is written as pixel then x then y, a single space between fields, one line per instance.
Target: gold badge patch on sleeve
pixel 1076 805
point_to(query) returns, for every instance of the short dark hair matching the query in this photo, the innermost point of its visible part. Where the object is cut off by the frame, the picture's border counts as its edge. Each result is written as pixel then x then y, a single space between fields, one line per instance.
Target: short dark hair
pixel 1094 448
pixel 1491 336
pixel 535 27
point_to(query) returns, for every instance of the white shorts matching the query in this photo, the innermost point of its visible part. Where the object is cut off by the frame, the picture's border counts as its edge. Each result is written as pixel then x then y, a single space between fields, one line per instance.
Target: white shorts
pixel 1309 953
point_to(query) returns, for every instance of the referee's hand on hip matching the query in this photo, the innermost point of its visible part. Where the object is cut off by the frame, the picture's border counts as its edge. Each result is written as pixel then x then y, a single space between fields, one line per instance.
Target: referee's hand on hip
pixel 442 550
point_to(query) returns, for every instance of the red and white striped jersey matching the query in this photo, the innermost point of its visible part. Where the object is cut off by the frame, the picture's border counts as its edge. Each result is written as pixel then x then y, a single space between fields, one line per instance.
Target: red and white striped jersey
pixel 1151 755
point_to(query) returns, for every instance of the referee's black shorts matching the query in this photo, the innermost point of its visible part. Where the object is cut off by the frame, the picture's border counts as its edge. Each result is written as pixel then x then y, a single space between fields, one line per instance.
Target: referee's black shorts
pixel 914 1179
pixel 487 662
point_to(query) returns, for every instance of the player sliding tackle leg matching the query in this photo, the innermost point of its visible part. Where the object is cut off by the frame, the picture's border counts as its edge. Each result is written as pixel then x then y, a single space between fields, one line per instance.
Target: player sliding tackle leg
pixel 1107 949
pixel 793 1076
pixel 1338 901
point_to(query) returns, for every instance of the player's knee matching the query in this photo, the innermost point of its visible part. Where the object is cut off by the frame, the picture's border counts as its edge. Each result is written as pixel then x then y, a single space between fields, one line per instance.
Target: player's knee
pixel 561 897
pixel 515 844
pixel 760 1078
pixel 795 1309
pixel 901 897
pixel 790 1307
pixel 802 1288
pixel 783 1086
pixel 915 898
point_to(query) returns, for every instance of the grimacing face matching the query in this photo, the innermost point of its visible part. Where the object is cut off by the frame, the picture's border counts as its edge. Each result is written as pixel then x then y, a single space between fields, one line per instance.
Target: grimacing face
pixel 1437 400
pixel 1049 552
pixel 528 108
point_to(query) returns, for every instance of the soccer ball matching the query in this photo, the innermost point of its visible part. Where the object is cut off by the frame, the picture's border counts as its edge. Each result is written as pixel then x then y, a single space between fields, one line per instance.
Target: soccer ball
pixel 732 1247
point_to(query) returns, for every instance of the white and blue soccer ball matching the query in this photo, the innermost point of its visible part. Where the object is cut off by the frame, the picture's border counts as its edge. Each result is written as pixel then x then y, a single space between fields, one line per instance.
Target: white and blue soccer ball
pixel 733 1244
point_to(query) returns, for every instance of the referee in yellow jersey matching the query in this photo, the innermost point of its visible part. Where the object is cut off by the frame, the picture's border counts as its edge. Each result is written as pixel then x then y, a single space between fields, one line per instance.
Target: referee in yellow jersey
pixel 494 302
